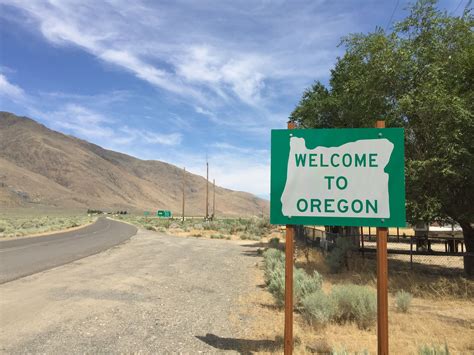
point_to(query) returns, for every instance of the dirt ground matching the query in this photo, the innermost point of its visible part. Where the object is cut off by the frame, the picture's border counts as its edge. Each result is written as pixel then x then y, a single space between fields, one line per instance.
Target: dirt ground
pixel 152 294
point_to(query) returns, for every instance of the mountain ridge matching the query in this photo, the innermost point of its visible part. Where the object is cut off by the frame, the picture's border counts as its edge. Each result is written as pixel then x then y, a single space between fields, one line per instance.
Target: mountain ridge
pixel 43 167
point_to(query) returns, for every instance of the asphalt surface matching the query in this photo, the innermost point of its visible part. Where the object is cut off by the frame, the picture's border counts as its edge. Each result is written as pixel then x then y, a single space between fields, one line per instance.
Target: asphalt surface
pixel 26 256
pixel 152 294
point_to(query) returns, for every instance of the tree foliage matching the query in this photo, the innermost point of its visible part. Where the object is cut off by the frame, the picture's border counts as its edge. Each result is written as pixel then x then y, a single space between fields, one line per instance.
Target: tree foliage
pixel 418 77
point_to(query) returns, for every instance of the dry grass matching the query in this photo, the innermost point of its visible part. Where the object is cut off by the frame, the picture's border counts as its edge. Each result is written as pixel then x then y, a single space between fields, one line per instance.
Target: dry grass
pixel 391 231
pixel 421 281
pixel 20 225
pixel 442 311
pixel 236 229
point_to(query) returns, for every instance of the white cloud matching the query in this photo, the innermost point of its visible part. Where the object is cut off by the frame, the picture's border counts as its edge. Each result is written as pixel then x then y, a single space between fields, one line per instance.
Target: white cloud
pixel 96 127
pixel 11 91
pixel 152 137
pixel 203 64
pixel 207 53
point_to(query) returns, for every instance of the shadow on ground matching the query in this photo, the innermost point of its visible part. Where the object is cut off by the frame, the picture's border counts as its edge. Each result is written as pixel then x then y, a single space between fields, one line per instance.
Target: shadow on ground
pixel 254 249
pixel 243 346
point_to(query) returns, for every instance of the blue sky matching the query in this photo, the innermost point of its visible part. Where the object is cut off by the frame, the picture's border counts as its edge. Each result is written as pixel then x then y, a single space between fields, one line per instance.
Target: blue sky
pixel 177 80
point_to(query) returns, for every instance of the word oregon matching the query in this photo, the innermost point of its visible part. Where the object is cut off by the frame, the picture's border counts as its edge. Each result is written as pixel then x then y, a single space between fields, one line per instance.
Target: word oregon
pixel 335 160
pixel 331 205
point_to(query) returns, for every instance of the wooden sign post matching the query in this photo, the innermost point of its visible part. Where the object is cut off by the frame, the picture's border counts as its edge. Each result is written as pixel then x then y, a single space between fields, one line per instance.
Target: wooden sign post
pixel 289 252
pixel 382 284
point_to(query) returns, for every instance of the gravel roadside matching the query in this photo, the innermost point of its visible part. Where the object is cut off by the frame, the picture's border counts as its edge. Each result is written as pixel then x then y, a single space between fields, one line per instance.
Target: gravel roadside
pixel 153 294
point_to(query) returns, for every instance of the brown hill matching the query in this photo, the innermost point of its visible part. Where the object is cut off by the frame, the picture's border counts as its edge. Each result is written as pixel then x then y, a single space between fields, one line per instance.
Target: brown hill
pixel 40 167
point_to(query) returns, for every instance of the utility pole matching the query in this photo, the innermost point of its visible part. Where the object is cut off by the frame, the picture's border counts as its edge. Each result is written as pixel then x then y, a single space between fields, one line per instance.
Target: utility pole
pixel 207 189
pixel 213 198
pixel 184 186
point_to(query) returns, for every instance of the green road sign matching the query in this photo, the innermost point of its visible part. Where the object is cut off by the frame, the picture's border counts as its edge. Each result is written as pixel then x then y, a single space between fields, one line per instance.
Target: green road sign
pixel 338 177
pixel 146 213
pixel 163 213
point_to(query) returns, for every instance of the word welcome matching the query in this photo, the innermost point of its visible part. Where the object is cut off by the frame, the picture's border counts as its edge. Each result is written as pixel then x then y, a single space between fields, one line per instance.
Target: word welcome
pixel 336 160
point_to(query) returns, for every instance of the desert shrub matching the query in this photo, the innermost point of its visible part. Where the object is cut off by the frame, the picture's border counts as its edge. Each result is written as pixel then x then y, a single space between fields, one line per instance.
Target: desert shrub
pixel 209 226
pixel 317 308
pixel 305 284
pixel 276 284
pixel 355 303
pixel 264 223
pixel 274 273
pixel 274 243
pixel 165 223
pixel 246 236
pixel 255 237
pixel 217 236
pixel 337 258
pixel 403 300
pixel 259 226
pixel 237 226
pixel 433 350
pixel 272 258
pixel 343 351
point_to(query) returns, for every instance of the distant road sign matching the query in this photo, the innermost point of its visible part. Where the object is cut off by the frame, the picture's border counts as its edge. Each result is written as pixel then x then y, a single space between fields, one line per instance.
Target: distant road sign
pixel 163 213
pixel 345 177
pixel 146 213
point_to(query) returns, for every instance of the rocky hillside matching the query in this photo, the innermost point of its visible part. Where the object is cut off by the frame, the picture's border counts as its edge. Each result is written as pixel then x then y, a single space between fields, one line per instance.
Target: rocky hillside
pixel 40 167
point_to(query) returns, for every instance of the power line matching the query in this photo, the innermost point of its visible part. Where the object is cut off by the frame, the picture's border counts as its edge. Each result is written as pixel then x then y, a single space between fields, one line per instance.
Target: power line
pixel 393 13
pixel 457 7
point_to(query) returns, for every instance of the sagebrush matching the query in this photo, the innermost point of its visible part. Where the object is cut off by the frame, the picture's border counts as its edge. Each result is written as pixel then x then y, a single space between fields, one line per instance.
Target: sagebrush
pixel 318 308
pixel 403 300
pixel 355 303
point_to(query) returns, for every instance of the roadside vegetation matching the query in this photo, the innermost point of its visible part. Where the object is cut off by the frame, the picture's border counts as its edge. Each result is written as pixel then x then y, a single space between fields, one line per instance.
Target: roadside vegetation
pixel 255 229
pixel 19 226
pixel 344 303
pixel 335 308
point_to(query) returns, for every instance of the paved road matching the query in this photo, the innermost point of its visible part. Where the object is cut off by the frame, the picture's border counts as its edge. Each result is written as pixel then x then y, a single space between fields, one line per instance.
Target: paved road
pixel 22 257
pixel 152 294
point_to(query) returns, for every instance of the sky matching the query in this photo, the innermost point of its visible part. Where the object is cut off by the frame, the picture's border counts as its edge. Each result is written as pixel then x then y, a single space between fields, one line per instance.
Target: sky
pixel 178 81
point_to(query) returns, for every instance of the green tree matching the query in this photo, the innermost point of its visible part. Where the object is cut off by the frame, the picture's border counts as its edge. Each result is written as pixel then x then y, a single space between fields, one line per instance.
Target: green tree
pixel 418 76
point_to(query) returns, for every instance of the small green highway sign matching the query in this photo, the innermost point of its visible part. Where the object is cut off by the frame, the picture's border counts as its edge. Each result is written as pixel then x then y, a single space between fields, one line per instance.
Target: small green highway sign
pixel 163 213
pixel 338 177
